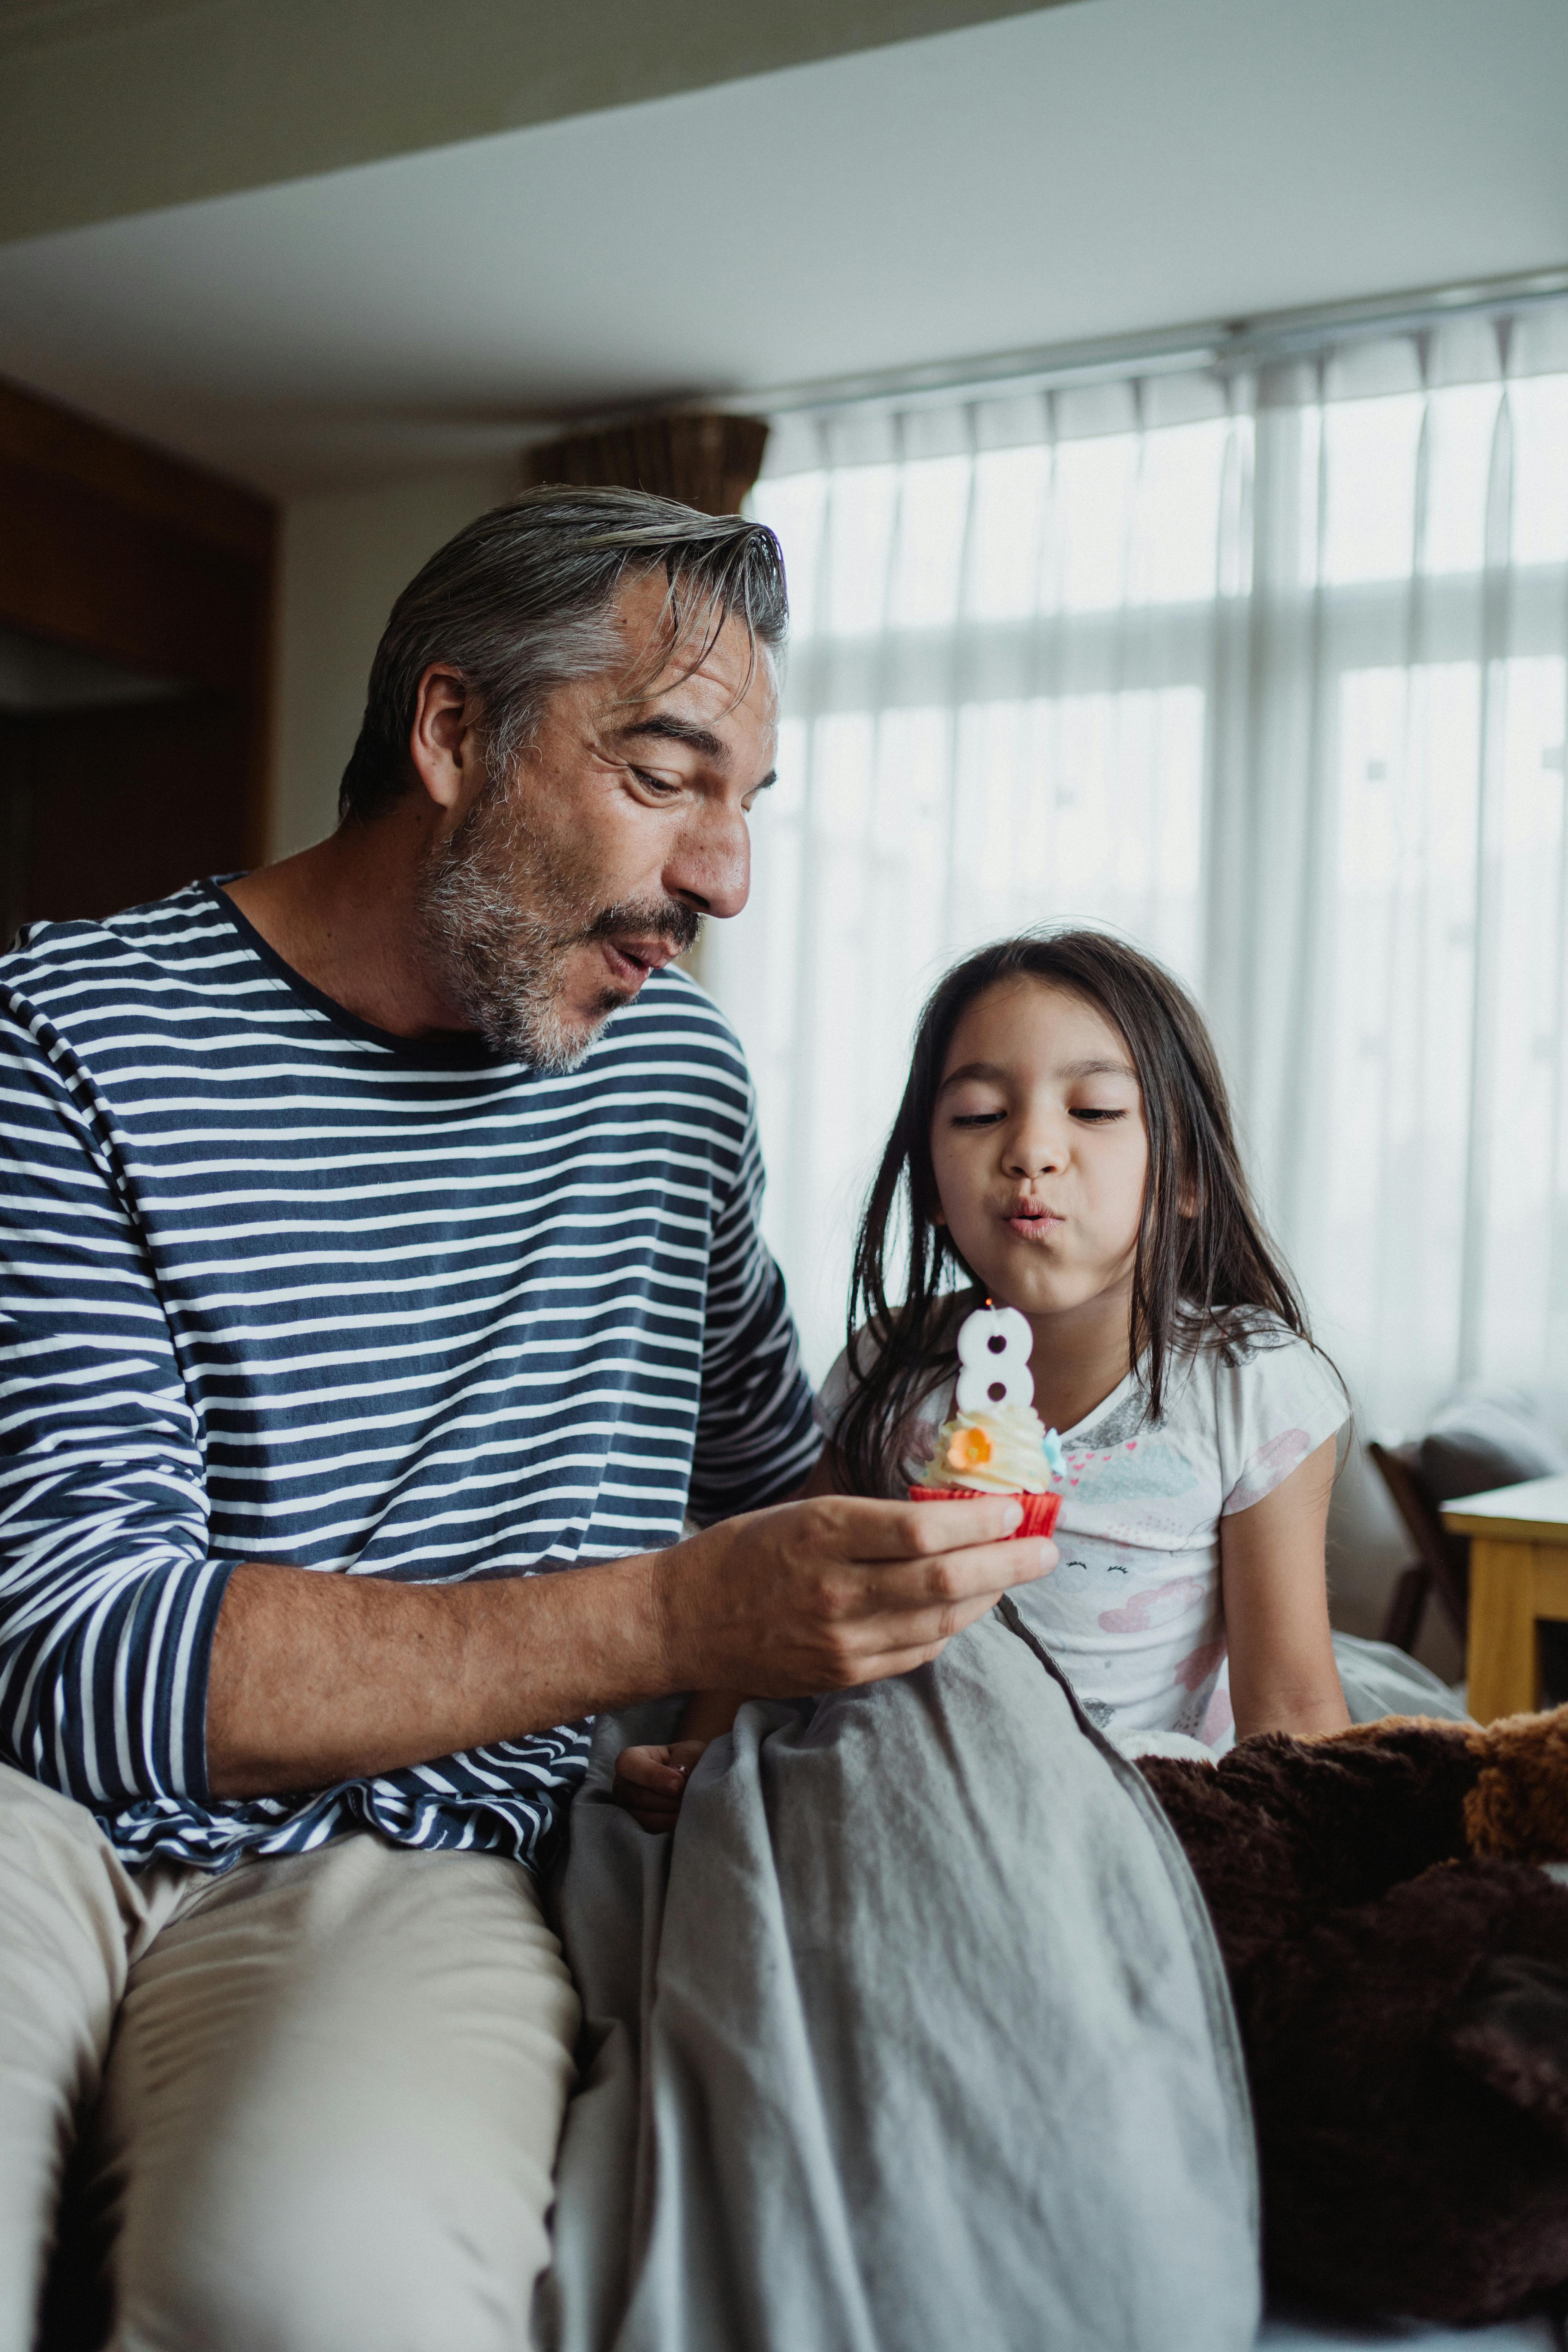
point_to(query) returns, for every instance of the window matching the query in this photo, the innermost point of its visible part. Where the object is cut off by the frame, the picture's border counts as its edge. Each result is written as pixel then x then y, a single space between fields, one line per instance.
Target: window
pixel 1266 672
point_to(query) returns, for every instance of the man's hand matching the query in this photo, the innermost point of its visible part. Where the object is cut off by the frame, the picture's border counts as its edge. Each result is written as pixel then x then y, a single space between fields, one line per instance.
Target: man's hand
pixel 322 1678
pixel 820 1595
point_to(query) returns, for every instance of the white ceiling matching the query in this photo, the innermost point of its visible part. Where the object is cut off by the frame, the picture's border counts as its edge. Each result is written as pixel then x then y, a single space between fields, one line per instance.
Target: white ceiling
pixel 1086 172
pixel 113 107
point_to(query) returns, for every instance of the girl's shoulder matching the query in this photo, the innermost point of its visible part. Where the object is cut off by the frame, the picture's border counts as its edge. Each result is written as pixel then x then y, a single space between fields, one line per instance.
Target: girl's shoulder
pixel 1272 1397
pixel 1255 1353
pixel 851 1364
pixel 834 1394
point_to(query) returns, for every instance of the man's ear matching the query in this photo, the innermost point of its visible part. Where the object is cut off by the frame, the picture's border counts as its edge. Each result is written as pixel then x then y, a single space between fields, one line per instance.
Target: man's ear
pixel 443 742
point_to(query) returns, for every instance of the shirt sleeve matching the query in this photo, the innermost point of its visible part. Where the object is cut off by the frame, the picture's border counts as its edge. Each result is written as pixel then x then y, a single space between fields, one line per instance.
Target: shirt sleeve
pixel 756 1438
pixel 1276 1405
pixel 108 1598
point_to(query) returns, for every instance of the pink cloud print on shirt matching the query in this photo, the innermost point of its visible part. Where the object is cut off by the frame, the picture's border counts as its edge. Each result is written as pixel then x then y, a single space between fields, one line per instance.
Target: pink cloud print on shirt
pixel 1269 1466
pixel 1155 1605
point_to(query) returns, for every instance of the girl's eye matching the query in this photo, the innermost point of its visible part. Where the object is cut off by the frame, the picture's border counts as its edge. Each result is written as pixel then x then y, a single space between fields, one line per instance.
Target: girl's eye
pixel 978 1118
pixel 1097 1118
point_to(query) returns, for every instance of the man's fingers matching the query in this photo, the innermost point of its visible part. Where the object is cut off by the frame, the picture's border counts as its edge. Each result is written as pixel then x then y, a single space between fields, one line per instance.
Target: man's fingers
pixel 984 1570
pixel 870 1530
pixel 896 1645
pixel 910 1643
pixel 921 1629
pixel 916 1606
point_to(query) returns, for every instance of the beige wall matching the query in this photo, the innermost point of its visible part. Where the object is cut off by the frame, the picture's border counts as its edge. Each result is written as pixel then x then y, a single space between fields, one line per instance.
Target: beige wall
pixel 345 555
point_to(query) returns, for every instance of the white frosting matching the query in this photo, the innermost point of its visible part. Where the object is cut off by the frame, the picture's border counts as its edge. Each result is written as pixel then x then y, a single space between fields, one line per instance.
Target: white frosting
pixel 1016 1463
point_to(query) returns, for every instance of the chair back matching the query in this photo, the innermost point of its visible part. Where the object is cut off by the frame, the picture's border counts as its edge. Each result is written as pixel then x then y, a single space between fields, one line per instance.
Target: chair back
pixel 1446 1557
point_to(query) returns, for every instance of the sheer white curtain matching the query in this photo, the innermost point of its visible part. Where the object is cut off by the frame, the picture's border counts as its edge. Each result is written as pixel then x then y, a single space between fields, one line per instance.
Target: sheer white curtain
pixel 1267 670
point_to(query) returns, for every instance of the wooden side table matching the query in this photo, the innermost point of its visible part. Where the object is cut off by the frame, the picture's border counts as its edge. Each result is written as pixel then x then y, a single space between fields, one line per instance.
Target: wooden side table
pixel 1519 1574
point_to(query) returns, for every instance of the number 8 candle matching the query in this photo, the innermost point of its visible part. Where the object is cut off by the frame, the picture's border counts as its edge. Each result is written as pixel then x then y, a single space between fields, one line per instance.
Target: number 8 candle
pixel 996 1442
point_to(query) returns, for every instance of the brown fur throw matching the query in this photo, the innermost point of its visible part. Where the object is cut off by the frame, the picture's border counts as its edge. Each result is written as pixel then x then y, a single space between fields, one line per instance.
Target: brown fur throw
pixel 1400 1969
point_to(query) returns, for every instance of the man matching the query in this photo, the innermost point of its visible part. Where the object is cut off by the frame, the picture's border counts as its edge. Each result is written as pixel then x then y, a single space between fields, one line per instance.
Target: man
pixel 381 1239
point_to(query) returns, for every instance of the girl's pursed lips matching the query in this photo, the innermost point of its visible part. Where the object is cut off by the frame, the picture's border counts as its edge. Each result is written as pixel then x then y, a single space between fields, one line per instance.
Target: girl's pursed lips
pixel 1033 1221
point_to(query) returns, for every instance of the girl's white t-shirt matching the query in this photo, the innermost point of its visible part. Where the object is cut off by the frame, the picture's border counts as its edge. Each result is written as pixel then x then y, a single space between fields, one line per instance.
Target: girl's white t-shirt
pixel 1133 1614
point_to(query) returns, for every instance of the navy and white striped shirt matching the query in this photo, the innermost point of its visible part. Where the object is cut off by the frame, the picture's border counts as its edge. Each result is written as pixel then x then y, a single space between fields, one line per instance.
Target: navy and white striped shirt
pixel 279 1286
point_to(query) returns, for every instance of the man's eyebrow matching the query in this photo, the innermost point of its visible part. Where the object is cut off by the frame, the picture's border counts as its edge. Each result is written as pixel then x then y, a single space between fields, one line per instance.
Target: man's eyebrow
pixel 663 727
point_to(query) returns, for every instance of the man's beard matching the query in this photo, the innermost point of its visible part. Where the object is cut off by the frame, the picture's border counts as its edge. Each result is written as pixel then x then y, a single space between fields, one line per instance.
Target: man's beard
pixel 501 910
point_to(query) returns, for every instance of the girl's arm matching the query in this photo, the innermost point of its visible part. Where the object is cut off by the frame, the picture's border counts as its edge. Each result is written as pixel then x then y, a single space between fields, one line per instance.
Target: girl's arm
pixel 708 1714
pixel 1276 1587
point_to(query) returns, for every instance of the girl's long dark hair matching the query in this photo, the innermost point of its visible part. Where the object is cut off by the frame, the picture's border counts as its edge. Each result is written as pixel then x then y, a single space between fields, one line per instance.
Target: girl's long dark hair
pixel 1202 1259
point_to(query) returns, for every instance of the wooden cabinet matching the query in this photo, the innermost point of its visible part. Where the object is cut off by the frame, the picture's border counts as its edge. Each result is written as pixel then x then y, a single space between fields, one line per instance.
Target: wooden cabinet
pixel 1519 1575
pixel 136 628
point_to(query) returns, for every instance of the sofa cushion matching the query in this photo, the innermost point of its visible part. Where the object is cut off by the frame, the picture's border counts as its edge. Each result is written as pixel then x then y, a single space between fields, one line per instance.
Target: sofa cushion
pixel 1485 1438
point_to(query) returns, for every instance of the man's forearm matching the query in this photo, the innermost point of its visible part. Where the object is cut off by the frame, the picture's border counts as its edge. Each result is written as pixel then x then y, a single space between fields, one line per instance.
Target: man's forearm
pixel 320 1678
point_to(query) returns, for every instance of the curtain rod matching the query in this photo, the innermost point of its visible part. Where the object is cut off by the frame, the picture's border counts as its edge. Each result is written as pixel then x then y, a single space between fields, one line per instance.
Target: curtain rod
pixel 1217 343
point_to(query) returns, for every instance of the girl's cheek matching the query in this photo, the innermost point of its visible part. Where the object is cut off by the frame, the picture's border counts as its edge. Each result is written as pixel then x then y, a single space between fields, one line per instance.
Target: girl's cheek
pixel 956 1185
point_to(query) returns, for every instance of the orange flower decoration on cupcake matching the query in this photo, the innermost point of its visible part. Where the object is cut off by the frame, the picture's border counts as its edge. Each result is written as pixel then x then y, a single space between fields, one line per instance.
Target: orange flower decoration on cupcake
pixel 968 1449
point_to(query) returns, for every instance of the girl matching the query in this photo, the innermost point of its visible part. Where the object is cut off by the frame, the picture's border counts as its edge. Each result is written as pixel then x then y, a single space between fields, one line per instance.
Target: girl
pixel 1065 1146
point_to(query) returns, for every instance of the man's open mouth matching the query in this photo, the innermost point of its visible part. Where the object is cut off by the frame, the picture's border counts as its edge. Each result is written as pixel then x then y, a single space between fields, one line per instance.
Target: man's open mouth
pixel 631 961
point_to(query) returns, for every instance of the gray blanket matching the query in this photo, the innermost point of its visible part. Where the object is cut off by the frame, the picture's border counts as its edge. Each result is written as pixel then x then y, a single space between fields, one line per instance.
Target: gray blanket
pixel 913 2038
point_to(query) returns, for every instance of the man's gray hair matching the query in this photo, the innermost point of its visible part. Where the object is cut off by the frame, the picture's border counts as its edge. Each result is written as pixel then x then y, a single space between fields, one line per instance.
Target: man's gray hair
pixel 523 601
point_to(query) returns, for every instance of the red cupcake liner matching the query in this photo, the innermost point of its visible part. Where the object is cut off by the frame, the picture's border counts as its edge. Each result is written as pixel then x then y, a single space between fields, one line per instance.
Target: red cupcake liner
pixel 1039 1510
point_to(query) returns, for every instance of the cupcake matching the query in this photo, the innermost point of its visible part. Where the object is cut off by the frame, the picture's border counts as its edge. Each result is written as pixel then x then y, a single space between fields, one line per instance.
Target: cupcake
pixel 1003 1449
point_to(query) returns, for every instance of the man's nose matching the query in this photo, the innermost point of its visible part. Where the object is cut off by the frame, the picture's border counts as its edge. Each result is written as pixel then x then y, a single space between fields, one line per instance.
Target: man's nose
pixel 710 868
